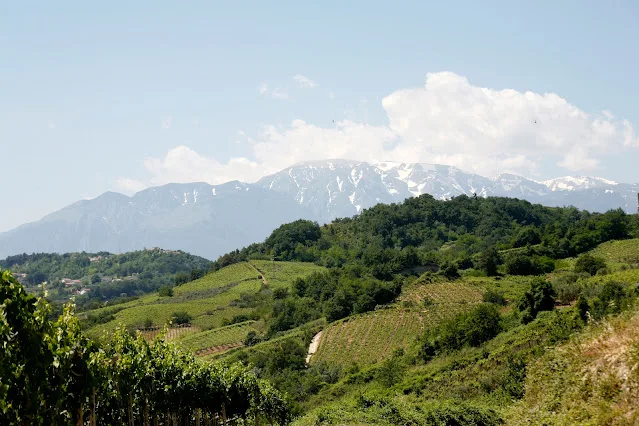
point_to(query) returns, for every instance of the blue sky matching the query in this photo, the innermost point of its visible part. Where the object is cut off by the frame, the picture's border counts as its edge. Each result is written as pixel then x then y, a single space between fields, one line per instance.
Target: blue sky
pixel 123 95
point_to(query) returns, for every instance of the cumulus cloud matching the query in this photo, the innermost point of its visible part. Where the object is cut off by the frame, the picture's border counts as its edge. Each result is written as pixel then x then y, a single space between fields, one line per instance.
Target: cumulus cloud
pixel 304 82
pixel 182 164
pixel 447 121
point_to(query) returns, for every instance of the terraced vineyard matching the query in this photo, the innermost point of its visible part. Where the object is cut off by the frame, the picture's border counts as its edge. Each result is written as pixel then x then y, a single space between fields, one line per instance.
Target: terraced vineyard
pixel 205 342
pixel 283 274
pixel 619 252
pixel 171 334
pixel 371 337
pixel 443 293
pixel 209 302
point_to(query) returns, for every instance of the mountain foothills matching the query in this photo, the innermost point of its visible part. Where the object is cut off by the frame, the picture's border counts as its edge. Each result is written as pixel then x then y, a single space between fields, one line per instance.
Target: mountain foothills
pixel 209 220
pixel 468 311
pixel 99 277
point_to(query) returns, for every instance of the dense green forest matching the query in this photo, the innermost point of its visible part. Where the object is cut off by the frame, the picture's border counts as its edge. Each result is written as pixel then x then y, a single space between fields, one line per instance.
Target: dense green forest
pixel 388 239
pixel 370 256
pixel 107 276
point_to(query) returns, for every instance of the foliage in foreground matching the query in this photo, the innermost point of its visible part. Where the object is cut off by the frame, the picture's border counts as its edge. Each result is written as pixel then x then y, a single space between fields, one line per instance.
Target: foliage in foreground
pixel 51 374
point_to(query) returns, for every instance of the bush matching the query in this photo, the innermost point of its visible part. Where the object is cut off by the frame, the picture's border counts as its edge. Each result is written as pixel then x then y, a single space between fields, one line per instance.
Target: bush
pixel 493 297
pixel 181 317
pixel 449 270
pixel 528 235
pixel 488 261
pixel 590 264
pixel 612 299
pixel 252 339
pixel 165 291
pixel 280 293
pixel 391 372
pixel 539 297
pixel 567 287
pixel 521 264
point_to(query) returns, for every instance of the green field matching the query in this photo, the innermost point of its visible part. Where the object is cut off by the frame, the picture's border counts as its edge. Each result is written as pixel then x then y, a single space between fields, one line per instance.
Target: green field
pixel 211 301
pixel 283 274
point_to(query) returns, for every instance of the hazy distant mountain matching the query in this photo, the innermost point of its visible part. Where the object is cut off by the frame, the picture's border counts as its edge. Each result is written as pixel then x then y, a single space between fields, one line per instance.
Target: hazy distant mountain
pixel 198 218
pixel 210 220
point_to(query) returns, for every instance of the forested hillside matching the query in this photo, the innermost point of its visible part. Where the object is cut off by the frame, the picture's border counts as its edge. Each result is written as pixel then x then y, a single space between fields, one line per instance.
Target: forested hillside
pixel 390 238
pixel 104 276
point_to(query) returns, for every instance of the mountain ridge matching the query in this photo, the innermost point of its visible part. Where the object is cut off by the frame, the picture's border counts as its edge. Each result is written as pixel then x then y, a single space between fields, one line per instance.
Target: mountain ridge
pixel 209 220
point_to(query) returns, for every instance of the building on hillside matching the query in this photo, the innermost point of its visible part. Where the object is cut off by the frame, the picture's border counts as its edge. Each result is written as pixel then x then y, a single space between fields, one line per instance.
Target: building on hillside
pixel 69 281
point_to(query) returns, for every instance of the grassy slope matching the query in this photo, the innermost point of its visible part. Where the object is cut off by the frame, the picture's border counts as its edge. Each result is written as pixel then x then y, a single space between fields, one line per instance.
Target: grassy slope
pixel 483 380
pixel 594 379
pixel 209 300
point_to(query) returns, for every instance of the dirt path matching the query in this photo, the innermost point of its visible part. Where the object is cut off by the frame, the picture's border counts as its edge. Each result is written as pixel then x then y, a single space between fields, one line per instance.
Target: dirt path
pixel 312 348
pixel 264 280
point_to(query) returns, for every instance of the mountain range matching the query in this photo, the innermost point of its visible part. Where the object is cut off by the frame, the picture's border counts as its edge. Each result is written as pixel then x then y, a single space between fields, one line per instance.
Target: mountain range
pixel 209 220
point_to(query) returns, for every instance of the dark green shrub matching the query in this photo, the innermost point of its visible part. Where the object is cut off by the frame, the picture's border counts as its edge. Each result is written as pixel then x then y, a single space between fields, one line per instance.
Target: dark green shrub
pixel 539 297
pixel 165 291
pixel 590 264
pixel 488 261
pixel 181 317
pixel 493 297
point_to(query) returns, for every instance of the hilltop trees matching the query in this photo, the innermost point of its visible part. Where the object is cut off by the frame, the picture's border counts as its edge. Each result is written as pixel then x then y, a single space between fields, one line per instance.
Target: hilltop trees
pixel 285 239
pixel 392 239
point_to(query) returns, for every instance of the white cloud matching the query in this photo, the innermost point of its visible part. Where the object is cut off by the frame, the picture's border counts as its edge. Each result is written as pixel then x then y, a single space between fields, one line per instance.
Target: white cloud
pixel 447 121
pixel 129 186
pixel 304 82
pixel 182 164
pixel 629 137
pixel 275 93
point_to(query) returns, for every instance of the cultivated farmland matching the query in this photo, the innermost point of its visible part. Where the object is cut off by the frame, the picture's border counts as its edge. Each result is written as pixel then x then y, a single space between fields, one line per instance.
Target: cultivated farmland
pixel 369 338
pixel 211 302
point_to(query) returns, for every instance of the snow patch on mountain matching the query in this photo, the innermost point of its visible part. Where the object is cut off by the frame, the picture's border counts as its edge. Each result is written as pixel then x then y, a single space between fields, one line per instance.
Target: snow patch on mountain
pixel 572 183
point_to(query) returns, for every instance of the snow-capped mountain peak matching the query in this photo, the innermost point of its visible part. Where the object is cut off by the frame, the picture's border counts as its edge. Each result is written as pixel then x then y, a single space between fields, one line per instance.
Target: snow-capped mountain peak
pixel 572 183
pixel 210 220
